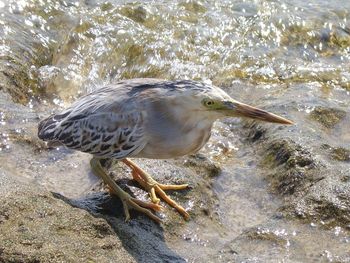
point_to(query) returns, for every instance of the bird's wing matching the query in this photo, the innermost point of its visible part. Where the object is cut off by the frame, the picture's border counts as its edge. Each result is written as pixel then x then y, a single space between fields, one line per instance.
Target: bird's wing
pixel 103 134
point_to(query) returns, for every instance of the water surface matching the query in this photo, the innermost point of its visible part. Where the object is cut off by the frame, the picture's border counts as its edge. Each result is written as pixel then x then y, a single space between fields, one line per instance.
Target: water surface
pixel 287 56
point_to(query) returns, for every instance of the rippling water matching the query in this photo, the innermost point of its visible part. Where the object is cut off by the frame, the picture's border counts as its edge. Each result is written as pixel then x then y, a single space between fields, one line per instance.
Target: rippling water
pixel 260 51
pixel 70 43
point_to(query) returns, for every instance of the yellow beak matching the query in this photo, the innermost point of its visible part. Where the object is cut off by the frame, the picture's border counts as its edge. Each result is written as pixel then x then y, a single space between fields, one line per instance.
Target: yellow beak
pixel 239 109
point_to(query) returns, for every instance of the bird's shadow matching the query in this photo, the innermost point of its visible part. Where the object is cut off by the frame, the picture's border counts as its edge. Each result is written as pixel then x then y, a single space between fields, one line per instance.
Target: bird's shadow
pixel 141 237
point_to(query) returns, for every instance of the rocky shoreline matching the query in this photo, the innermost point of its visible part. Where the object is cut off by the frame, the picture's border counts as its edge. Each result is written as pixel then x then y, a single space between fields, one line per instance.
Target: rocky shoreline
pixel 259 192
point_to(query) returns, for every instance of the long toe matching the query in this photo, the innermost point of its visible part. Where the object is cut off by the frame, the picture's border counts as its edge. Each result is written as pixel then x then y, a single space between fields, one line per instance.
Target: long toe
pixel 154 188
pixel 128 201
pixel 171 202
pixel 141 206
pixel 174 187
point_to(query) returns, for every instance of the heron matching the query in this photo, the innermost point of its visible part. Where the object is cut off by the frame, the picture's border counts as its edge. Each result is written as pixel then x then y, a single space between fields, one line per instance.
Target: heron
pixel 145 118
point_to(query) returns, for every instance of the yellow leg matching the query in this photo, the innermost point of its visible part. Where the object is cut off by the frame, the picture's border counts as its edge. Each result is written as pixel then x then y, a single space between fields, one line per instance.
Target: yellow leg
pixel 154 188
pixel 127 200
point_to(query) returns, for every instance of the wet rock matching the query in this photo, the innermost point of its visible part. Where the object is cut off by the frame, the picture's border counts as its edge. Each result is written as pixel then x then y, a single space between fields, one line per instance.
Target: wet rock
pixel 37 227
pixel 15 88
pixel 340 154
pixel 292 166
pixel 277 237
pixel 336 153
pixel 328 117
pixel 255 131
pixel 253 241
pixel 138 14
pixel 275 241
pixel 35 31
pixel 314 189
pixel 287 153
pixel 94 41
pixel 326 202
pixel 141 237
pixel 196 171
pixel 193 6
pixel 340 37
pixel 18 72
pixel 203 165
pixel 21 137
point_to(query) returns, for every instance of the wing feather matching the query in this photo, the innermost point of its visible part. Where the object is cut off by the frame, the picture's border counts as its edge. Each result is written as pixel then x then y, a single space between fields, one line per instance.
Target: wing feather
pixel 105 134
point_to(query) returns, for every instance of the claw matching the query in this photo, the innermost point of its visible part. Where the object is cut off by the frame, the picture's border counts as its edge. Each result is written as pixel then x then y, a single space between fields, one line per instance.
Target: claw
pixel 127 200
pixel 153 196
pixel 126 212
pixel 154 188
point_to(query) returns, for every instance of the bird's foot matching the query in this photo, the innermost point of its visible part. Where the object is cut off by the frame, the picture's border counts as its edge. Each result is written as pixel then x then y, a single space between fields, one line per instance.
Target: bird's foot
pixel 154 188
pixel 138 205
pixel 127 200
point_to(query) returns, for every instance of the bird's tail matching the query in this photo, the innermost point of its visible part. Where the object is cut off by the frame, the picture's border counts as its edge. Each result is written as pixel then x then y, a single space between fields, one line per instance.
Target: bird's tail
pixel 49 127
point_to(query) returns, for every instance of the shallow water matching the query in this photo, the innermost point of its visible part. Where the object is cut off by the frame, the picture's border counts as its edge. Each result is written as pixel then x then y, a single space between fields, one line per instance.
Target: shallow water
pixel 286 56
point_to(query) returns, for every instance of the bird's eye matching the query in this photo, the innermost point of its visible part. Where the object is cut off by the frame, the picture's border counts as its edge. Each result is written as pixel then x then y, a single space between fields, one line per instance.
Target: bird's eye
pixel 208 102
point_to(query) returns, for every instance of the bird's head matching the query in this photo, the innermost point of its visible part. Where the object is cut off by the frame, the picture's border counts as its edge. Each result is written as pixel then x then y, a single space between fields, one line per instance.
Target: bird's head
pixel 217 104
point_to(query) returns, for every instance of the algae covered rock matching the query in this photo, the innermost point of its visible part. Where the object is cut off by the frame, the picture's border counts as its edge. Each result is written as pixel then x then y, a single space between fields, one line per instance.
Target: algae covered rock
pixel 314 189
pixel 340 154
pixel 328 117
pixel 290 166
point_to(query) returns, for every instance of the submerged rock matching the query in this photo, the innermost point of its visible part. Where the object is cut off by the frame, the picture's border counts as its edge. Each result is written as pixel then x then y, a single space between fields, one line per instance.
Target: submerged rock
pixel 340 154
pixel 328 117
pixel 279 240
